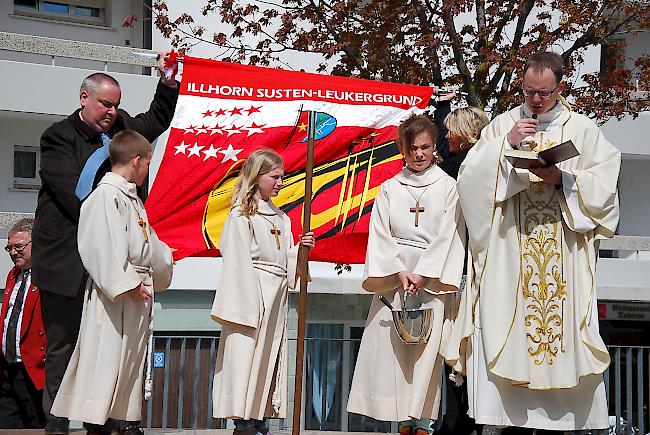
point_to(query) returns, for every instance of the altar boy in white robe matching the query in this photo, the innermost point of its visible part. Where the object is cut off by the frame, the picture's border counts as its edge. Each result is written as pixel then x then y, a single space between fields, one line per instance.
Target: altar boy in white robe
pixel 528 322
pixel 416 244
pixel 103 384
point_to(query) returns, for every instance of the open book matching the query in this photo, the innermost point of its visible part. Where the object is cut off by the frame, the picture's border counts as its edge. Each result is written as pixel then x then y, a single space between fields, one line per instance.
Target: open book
pixel 531 159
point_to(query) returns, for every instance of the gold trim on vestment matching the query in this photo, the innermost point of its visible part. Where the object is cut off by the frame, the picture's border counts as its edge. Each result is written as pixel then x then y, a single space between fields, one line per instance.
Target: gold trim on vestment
pixel 487 250
pixel 584 206
pixel 542 254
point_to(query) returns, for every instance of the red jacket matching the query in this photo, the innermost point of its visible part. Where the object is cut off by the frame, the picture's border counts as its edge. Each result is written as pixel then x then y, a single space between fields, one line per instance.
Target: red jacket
pixel 32 333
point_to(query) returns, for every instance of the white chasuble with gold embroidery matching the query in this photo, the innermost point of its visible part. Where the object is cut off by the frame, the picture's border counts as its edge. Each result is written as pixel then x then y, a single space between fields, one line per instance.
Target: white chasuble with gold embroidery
pixel 527 329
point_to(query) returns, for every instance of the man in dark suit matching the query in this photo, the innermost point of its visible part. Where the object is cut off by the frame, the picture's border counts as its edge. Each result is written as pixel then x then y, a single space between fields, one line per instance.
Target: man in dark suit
pixel 73 159
pixel 22 365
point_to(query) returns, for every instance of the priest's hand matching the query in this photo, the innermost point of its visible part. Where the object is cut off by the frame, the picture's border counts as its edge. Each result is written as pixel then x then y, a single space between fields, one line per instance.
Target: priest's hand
pixel 522 129
pixel 550 174
pixel 139 293
pixel 308 240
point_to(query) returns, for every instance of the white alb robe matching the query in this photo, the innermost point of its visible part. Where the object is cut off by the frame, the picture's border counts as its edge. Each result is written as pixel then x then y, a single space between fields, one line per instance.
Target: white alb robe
pixel 394 381
pixel 250 379
pixel 528 323
pixel 105 375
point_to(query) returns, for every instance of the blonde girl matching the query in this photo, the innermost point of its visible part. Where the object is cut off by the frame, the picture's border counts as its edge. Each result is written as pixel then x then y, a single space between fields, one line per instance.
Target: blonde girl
pixel 259 266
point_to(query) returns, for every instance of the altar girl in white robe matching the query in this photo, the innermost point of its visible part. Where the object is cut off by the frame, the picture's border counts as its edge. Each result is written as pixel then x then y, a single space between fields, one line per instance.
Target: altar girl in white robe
pixel 103 384
pixel 259 265
pixel 416 244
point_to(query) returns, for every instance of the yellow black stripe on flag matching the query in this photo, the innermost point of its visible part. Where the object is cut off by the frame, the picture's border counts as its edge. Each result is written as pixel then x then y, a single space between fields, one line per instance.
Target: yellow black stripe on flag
pixel 343 191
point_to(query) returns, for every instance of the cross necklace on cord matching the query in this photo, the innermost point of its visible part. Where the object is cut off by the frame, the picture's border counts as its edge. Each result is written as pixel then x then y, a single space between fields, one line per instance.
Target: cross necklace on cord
pixel 275 231
pixel 143 224
pixel 417 209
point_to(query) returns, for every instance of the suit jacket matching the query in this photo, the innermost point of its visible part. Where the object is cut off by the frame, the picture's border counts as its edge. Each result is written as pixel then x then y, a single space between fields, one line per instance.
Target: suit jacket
pixel 65 147
pixel 32 333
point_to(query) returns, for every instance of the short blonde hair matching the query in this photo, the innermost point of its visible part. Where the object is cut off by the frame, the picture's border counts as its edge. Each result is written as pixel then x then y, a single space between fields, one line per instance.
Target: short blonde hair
pixel 259 162
pixel 467 123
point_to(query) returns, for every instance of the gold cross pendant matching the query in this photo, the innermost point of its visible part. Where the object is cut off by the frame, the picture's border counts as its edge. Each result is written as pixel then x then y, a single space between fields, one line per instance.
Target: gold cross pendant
pixel 417 210
pixel 276 232
pixel 143 225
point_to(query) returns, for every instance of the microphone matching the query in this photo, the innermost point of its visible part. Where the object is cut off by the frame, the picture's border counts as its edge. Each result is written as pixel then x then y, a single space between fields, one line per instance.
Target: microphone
pixel 525 144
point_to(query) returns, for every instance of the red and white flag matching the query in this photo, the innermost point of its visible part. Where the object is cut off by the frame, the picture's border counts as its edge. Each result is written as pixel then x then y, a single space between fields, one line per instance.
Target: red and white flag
pixel 227 110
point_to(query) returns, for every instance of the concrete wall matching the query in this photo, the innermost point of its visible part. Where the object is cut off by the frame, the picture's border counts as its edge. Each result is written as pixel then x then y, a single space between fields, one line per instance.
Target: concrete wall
pixel 111 32
pixel 17 131
pixel 634 196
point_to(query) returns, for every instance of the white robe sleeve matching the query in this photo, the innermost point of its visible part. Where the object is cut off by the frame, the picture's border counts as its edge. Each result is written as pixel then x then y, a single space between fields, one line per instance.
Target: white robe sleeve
pixel 292 254
pixel 382 256
pixel 238 299
pixel 442 261
pixel 511 180
pixel 104 245
pixel 592 200
pixel 581 222
pixel 162 262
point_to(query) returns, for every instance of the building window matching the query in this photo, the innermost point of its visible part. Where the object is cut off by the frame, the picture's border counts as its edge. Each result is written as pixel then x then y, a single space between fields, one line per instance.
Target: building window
pixel 324 349
pixel 26 164
pixel 92 11
pixel 331 352
pixel 612 56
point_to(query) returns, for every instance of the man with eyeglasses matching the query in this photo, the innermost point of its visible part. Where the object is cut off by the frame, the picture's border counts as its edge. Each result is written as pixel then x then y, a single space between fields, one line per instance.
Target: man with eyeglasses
pixel 534 356
pixel 22 364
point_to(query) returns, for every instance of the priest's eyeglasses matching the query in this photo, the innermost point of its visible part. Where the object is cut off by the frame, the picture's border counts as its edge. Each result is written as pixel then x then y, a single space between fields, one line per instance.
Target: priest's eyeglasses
pixel 19 247
pixel 544 95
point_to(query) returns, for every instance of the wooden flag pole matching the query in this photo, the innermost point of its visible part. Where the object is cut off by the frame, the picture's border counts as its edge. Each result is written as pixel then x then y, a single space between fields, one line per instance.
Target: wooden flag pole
pixel 303 258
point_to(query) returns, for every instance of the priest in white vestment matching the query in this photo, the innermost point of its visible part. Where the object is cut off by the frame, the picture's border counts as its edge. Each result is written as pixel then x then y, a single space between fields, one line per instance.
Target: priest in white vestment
pixel 104 381
pixel 527 330
pixel 416 244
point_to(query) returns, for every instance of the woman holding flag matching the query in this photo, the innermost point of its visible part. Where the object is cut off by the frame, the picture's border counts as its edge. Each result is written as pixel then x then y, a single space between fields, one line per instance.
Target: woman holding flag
pixel 415 246
pixel 259 264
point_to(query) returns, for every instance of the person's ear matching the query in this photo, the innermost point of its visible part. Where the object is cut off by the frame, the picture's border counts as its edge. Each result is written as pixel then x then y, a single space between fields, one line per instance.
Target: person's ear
pixel 561 87
pixel 83 97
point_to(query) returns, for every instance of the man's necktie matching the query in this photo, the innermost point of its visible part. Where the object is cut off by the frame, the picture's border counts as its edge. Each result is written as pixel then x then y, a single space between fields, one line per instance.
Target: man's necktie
pixel 88 173
pixel 12 325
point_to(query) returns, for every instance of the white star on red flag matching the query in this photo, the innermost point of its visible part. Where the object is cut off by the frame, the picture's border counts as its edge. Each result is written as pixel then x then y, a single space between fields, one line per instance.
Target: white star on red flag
pixel 230 153
pixel 180 149
pixel 210 152
pixel 233 130
pixel 195 150
pixel 254 128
